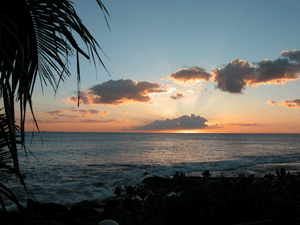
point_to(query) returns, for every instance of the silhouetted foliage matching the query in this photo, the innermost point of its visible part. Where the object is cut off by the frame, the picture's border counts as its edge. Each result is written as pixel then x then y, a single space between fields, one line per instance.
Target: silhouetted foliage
pixel 36 40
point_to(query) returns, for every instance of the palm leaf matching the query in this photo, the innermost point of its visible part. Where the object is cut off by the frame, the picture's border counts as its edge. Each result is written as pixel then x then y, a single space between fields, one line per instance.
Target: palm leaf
pixel 6 165
pixel 36 39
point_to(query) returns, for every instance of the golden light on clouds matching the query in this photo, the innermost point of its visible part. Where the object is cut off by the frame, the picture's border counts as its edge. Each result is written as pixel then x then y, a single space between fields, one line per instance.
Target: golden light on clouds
pixel 190 75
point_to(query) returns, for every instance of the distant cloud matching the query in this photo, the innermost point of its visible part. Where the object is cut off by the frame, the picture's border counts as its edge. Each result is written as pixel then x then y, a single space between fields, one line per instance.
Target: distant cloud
pixel 245 124
pixel 124 111
pixel 177 96
pixel 162 78
pixel 84 112
pixel 63 92
pixel 238 74
pixel 59 120
pixel 190 75
pixel 99 121
pixel 57 112
pixel 117 92
pixel 181 123
pixel 290 103
pixel 271 102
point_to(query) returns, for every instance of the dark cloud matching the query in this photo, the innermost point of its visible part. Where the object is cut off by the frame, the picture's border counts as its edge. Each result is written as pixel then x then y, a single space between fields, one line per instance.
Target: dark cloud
pixel 277 71
pixel 177 96
pixel 190 75
pixel 271 102
pixel 238 74
pixel 118 92
pixel 232 78
pixel 292 55
pixel 290 103
pixel 181 123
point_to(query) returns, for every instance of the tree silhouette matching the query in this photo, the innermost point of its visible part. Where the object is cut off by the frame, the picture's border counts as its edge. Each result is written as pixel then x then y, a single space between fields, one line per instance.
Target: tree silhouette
pixel 36 39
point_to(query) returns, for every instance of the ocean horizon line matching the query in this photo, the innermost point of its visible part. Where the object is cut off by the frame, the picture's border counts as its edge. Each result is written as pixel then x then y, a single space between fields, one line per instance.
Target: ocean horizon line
pixel 119 132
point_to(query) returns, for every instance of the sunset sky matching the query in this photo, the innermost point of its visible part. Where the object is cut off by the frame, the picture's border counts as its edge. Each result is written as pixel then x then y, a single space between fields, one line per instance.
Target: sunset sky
pixel 183 66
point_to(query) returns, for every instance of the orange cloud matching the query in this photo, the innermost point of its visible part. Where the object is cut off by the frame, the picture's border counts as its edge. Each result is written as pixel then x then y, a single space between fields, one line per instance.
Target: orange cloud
pixel 238 74
pixel 177 96
pixel 271 102
pixel 85 112
pixel 190 75
pixel 290 103
pixel 124 111
pixel 117 92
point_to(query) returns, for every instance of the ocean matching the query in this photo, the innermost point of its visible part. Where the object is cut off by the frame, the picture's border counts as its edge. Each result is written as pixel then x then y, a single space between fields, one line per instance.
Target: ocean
pixel 72 167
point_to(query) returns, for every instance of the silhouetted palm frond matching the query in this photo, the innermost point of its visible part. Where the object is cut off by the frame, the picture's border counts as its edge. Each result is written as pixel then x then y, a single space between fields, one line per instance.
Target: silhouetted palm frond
pixel 36 39
pixel 6 166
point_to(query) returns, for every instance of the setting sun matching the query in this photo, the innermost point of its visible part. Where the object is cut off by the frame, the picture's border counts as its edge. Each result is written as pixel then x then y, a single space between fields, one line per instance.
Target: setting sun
pixel 189 131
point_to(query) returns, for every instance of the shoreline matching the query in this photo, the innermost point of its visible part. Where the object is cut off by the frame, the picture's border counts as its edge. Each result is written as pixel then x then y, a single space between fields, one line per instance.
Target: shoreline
pixel 271 199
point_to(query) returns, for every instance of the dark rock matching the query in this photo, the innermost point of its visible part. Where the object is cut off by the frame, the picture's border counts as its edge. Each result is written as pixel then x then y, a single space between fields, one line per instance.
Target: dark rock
pixel 84 221
pixel 111 204
pixel 156 182
pixel 146 173
pixel 162 190
pixel 82 204
pixel 82 209
pixel 45 208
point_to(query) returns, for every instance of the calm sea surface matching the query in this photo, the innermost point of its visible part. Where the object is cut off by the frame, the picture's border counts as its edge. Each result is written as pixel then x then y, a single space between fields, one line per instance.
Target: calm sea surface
pixel 72 167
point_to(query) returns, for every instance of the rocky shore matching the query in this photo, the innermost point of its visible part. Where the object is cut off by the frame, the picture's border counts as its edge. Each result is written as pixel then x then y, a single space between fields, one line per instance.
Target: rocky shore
pixel 272 199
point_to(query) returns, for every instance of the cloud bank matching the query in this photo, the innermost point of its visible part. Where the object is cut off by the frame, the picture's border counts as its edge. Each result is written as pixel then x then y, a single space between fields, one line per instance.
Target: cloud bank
pixel 290 103
pixel 177 96
pixel 59 120
pixel 238 74
pixel 190 75
pixel 181 123
pixel 83 112
pixel 117 92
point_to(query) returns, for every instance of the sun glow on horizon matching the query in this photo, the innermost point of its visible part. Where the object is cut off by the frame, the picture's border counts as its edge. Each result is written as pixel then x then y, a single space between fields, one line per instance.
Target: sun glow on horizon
pixel 188 131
